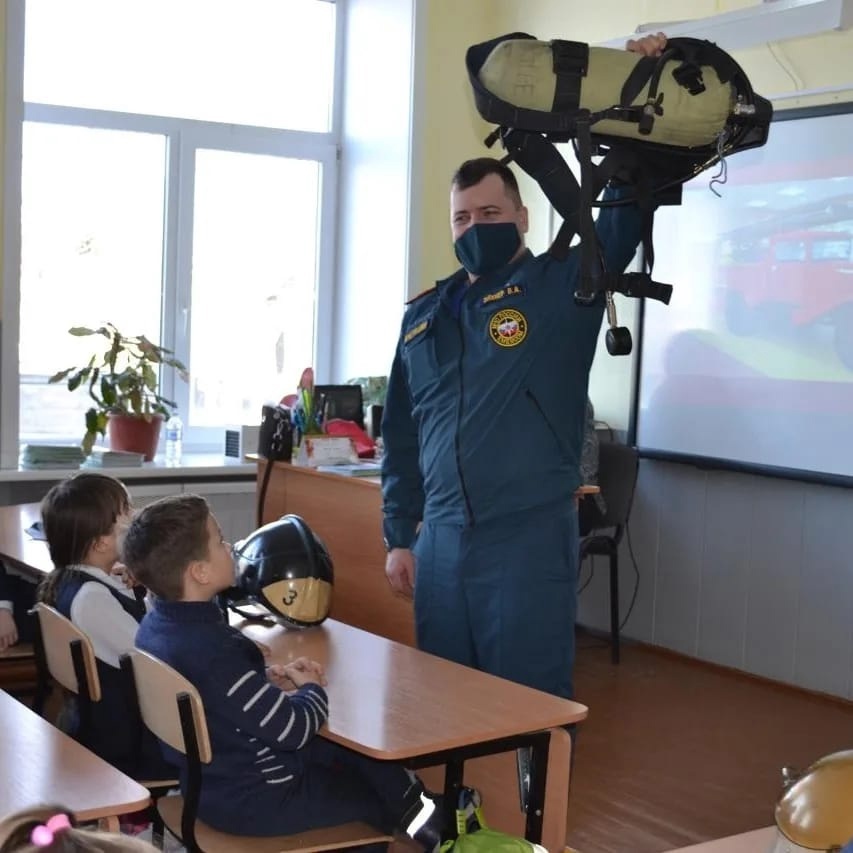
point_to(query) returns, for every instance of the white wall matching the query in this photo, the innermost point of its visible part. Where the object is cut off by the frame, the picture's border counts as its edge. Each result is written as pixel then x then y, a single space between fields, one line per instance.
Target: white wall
pixel 744 571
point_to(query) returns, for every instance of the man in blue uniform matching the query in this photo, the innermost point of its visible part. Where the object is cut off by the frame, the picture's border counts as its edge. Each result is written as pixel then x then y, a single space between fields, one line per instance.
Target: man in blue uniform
pixel 483 428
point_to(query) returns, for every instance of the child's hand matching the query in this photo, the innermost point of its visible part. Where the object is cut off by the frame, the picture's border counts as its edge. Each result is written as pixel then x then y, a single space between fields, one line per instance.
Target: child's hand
pixel 305 671
pixel 277 674
pixel 8 630
pixel 120 570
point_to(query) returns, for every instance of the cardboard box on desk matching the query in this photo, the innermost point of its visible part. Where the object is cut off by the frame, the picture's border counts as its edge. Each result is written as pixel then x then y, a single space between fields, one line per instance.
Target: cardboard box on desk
pixel 317 450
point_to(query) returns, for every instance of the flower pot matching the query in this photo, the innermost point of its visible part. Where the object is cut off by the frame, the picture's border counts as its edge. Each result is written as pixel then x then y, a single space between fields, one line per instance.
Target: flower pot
pixel 136 434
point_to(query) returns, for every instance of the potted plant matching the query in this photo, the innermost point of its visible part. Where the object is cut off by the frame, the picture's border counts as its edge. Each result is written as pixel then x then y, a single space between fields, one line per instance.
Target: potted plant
pixel 122 380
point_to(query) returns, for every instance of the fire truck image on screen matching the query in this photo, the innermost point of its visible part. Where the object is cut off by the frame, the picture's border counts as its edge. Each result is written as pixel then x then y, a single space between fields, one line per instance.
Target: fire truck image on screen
pixel 793 269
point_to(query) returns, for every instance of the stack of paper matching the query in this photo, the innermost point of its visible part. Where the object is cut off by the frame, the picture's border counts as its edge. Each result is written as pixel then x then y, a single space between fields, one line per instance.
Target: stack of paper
pixel 103 457
pixel 353 469
pixel 43 456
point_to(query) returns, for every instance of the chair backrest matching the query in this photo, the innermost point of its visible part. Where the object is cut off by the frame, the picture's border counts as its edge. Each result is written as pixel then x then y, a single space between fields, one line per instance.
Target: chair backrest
pixel 159 689
pixel 59 636
pixel 618 466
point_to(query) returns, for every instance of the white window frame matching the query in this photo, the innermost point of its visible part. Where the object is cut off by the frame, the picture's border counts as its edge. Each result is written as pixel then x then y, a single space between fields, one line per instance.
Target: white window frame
pixel 183 138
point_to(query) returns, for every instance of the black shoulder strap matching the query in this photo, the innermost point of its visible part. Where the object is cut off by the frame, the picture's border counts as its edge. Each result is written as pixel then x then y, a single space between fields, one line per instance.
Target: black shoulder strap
pixel 573 201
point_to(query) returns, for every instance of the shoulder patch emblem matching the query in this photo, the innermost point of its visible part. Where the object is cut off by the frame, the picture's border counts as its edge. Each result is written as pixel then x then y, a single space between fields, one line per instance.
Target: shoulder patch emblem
pixel 508 328
pixel 419 329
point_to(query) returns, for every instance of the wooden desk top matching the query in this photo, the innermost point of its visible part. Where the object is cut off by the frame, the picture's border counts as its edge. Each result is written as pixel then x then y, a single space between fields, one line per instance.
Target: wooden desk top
pixel 757 841
pixel 418 703
pixel 40 764
pixel 28 554
pixel 376 482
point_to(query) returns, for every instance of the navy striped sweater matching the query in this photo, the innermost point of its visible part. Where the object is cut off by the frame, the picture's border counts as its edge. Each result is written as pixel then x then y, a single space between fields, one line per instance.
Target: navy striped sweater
pixel 256 729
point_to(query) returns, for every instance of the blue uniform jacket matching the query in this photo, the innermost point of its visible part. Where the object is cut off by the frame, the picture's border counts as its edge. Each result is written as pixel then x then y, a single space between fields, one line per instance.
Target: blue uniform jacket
pixel 484 413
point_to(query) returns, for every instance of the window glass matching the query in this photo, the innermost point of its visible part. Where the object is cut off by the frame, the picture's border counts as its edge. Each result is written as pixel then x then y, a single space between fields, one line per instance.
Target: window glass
pixel 91 251
pixel 790 250
pixel 256 62
pixel 831 249
pixel 254 280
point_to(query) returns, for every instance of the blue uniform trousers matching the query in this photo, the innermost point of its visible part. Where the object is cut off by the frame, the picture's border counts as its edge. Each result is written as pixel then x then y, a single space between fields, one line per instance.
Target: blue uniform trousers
pixel 502 596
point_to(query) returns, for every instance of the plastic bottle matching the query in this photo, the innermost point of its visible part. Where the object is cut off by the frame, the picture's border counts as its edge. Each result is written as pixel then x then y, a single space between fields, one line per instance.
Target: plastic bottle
pixel 174 441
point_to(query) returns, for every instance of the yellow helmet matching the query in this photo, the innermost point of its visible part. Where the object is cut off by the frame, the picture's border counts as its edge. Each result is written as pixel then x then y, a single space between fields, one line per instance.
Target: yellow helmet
pixel 816 810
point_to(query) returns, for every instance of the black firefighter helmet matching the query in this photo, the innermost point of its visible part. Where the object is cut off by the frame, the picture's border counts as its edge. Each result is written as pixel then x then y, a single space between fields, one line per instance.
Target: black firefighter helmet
pixel 285 567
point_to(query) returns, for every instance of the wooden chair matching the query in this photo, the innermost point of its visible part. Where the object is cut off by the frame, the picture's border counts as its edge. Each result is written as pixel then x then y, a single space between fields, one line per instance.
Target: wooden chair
pixel 618 466
pixel 67 657
pixel 171 707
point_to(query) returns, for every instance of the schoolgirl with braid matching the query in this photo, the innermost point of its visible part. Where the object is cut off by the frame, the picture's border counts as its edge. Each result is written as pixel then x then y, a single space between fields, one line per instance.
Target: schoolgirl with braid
pixel 84 517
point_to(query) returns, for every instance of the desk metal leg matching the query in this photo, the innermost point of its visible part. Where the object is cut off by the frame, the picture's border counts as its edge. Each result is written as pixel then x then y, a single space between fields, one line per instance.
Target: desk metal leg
pixel 454 760
pixel 454 771
pixel 540 744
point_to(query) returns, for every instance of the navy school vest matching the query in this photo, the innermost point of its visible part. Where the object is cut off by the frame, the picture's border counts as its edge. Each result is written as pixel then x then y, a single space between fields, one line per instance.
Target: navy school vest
pixel 116 734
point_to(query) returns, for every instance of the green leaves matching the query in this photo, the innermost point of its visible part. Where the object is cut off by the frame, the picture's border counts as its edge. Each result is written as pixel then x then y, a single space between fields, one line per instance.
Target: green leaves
pixel 96 424
pixel 123 378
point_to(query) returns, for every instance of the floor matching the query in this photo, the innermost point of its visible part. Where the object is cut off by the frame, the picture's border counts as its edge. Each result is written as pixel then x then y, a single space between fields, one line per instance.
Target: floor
pixel 676 751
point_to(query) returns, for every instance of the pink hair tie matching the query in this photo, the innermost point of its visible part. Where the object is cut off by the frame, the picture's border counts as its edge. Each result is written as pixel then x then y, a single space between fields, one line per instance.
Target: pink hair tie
pixel 43 834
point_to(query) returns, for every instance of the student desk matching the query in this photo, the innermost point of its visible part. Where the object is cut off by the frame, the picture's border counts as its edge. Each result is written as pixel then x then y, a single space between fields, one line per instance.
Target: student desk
pixel 393 702
pixel 346 513
pixel 40 764
pixel 757 841
pixel 18 547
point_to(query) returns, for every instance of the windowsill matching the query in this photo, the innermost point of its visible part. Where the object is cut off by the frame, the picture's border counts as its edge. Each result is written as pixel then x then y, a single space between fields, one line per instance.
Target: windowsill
pixel 193 466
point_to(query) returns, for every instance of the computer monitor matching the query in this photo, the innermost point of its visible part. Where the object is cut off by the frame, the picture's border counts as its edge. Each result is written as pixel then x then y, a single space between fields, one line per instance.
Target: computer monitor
pixel 340 401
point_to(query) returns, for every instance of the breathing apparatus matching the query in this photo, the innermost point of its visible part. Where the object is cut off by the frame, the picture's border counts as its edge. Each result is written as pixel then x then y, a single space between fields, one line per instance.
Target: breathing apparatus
pixel 656 122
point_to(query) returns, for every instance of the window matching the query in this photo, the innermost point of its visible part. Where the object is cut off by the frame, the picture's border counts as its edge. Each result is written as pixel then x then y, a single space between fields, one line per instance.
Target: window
pixel 178 169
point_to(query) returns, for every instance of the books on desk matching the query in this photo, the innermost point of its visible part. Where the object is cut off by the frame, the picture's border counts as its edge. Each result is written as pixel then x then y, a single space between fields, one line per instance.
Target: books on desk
pixel 367 468
pixel 36 457
pixel 103 457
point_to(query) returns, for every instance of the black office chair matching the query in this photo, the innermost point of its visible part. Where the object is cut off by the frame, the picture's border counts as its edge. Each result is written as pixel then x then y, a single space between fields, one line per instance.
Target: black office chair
pixel 601 533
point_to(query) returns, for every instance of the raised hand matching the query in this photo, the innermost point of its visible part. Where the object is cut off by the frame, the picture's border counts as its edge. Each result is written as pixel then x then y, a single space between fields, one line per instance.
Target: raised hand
pixel 651 45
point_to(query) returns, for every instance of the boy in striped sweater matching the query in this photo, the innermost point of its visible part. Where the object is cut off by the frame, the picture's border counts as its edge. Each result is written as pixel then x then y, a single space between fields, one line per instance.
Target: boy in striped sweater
pixel 270 774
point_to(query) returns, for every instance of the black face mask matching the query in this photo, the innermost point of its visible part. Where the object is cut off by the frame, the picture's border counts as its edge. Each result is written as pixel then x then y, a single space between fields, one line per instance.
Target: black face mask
pixel 487 247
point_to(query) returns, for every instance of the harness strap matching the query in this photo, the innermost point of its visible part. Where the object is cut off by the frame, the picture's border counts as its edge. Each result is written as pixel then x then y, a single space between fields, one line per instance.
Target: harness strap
pixel 592 267
pixel 638 284
pixel 636 81
pixel 570 62
pixel 544 163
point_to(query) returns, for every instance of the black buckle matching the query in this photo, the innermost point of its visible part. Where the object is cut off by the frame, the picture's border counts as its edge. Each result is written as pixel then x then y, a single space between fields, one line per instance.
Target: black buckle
pixel 689 76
